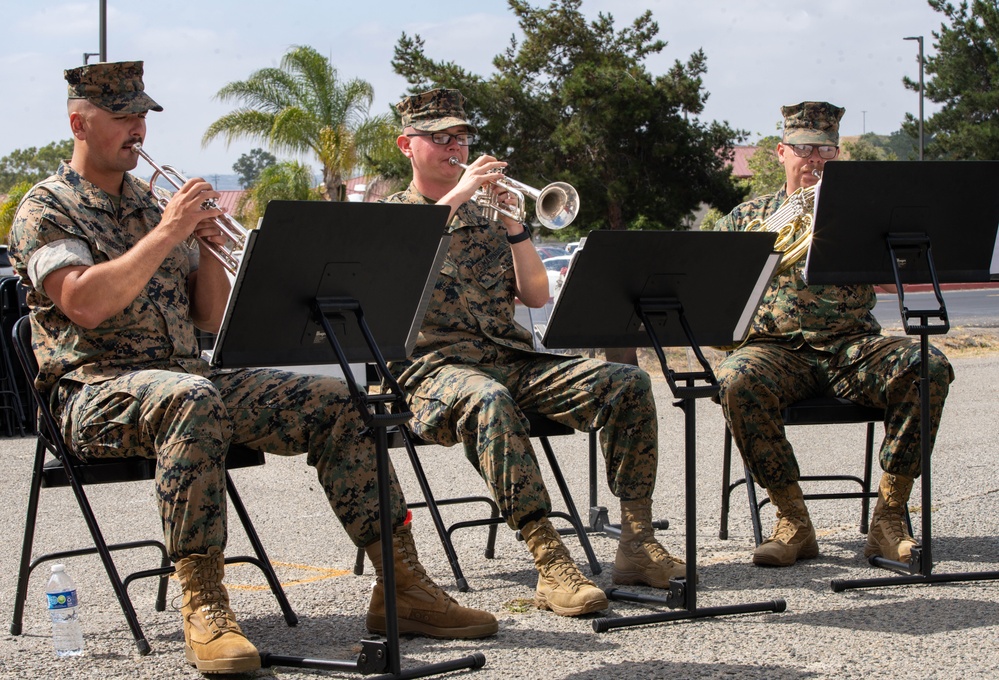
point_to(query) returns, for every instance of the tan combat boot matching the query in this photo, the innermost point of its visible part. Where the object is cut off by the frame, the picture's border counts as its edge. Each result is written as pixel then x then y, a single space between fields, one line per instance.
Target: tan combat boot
pixel 889 536
pixel 213 641
pixel 422 607
pixel 561 586
pixel 641 560
pixel 793 538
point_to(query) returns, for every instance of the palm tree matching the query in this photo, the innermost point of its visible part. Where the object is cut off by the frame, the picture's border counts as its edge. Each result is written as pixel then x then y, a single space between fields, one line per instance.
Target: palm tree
pixel 300 107
pixel 286 181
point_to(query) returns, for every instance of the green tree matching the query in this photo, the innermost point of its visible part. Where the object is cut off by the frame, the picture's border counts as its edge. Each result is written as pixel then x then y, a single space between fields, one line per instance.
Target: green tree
pixel 870 147
pixel 303 107
pixel 575 102
pixel 284 181
pixel 8 206
pixel 768 173
pixel 249 166
pixel 33 164
pixel 963 76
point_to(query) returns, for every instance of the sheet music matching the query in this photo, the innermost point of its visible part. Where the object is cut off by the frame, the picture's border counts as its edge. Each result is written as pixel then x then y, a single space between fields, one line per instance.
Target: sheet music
pixel 251 239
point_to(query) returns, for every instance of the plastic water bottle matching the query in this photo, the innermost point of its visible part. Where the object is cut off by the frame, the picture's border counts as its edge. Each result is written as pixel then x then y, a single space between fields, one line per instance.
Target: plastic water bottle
pixel 67 637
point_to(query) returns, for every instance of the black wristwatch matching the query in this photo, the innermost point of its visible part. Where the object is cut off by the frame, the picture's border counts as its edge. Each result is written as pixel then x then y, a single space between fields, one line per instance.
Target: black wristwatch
pixel 522 236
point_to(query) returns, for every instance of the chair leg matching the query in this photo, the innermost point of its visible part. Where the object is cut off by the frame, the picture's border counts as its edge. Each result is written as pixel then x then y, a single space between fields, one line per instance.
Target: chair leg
pixel 102 549
pixel 24 570
pixel 263 562
pixel 726 485
pixel 577 523
pixel 865 502
pixel 754 506
pixel 435 515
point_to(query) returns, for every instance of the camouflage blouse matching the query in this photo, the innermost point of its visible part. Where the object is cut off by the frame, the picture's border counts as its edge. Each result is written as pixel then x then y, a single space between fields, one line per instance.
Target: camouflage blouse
pixel 67 221
pixel 795 313
pixel 471 311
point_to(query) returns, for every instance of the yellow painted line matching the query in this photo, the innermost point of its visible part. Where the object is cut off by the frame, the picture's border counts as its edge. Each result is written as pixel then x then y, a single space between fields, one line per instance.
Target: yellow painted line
pixel 316 574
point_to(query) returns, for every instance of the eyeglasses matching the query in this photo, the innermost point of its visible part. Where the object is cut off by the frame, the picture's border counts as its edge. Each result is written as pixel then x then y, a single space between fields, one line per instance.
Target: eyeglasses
pixel 463 138
pixel 805 150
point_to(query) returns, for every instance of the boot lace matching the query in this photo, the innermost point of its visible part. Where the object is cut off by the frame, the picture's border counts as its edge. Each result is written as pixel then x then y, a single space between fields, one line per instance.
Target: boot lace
pixel 784 531
pixel 409 557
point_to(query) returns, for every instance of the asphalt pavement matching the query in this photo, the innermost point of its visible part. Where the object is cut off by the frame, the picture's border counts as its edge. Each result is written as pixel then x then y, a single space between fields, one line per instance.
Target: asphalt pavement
pixel 917 631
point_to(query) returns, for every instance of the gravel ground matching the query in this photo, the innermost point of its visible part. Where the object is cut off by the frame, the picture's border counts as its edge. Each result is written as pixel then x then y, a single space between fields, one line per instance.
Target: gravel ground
pixel 939 631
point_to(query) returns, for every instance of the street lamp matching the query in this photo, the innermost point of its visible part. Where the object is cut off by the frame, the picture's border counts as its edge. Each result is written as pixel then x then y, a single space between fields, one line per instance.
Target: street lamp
pixel 919 38
pixel 103 28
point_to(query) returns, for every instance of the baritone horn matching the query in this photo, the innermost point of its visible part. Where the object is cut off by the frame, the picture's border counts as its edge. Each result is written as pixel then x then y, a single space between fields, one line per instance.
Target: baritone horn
pixel 229 251
pixel 556 206
pixel 792 223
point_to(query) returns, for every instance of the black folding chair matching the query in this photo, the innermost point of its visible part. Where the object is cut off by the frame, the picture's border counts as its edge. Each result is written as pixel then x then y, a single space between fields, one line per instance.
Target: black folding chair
pixel 66 469
pixel 14 397
pixel 541 429
pixel 817 411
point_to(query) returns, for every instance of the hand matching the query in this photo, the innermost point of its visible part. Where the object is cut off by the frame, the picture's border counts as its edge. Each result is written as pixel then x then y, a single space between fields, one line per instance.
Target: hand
pixel 189 209
pixel 485 170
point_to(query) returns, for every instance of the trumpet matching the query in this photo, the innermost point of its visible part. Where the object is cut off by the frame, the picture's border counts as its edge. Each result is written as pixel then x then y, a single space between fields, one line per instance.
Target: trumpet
pixel 229 251
pixel 556 205
pixel 792 223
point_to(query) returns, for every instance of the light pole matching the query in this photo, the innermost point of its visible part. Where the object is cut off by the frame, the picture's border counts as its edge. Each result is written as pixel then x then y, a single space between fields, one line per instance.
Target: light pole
pixel 102 55
pixel 919 38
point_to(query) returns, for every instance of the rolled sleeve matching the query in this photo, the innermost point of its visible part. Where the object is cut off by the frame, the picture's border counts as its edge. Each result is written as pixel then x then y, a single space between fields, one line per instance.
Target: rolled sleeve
pixel 56 255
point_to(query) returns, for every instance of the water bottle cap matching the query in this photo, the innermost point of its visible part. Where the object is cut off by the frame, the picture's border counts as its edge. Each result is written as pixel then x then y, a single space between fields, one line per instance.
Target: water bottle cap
pixel 58 567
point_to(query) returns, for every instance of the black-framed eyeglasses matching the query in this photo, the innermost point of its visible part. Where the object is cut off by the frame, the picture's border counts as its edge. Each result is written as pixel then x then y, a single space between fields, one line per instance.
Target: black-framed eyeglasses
pixel 805 150
pixel 463 138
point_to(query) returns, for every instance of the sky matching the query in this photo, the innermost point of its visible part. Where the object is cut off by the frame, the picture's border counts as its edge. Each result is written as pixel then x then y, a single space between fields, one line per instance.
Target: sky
pixel 761 54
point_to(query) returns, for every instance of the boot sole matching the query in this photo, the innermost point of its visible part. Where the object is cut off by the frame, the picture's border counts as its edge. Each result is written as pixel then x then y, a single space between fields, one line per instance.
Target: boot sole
pixel 236 665
pixel 378 625
pixel 808 552
pixel 585 608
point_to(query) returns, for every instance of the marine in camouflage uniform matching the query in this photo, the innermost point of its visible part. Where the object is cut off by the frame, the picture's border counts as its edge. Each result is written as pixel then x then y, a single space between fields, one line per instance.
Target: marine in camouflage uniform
pixel 135 384
pixel 808 341
pixel 475 371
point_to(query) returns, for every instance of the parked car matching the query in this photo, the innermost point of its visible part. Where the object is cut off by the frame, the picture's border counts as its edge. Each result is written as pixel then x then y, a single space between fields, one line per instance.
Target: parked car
pixel 548 251
pixel 556 268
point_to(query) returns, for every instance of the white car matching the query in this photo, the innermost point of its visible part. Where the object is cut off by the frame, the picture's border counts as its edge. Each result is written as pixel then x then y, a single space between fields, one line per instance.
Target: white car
pixel 556 268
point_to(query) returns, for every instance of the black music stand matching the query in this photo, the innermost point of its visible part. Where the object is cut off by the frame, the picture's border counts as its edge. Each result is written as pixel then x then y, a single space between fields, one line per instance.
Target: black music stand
pixel 656 289
pixel 875 222
pixel 306 277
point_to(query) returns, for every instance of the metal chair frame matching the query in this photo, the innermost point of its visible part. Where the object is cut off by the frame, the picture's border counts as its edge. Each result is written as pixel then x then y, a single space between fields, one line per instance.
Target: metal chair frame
pixel 66 469
pixel 816 411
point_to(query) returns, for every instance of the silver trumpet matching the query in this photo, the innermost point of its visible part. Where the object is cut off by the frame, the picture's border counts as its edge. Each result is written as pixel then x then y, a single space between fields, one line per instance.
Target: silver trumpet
pixel 227 252
pixel 556 205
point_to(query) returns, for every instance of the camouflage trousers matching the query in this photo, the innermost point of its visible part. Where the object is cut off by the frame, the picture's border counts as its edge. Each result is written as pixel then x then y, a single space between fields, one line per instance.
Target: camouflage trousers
pixel 482 406
pixel 760 379
pixel 186 423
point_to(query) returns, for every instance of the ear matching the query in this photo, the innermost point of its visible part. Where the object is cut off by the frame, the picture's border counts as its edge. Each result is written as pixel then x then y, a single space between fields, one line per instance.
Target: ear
pixel 77 125
pixel 403 142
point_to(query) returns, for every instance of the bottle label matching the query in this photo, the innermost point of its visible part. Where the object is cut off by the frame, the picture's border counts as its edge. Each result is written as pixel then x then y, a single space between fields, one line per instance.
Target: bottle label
pixel 63 600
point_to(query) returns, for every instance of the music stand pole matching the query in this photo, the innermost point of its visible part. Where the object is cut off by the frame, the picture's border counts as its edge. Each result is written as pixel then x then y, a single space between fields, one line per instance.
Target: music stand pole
pixel 682 592
pixel 919 569
pixel 375 657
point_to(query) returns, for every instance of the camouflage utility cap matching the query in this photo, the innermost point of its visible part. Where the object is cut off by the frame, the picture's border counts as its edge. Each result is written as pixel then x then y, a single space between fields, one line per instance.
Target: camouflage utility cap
pixel 812 123
pixel 113 86
pixel 434 111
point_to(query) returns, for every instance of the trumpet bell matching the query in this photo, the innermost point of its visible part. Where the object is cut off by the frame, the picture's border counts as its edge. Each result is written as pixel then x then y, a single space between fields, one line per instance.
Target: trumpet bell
pixel 557 205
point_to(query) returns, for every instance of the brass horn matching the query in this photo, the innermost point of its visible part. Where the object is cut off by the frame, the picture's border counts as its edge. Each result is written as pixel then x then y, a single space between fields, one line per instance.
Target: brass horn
pixel 556 205
pixel 792 223
pixel 228 252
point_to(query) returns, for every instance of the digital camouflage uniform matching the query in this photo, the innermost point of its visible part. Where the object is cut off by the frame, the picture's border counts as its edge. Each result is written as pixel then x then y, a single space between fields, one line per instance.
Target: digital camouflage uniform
pixel 474 371
pixel 136 386
pixel 809 341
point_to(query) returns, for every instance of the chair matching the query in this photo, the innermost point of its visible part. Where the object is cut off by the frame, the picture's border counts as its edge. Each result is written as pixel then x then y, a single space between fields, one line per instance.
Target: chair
pixel 542 429
pixel 65 469
pixel 14 400
pixel 817 411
